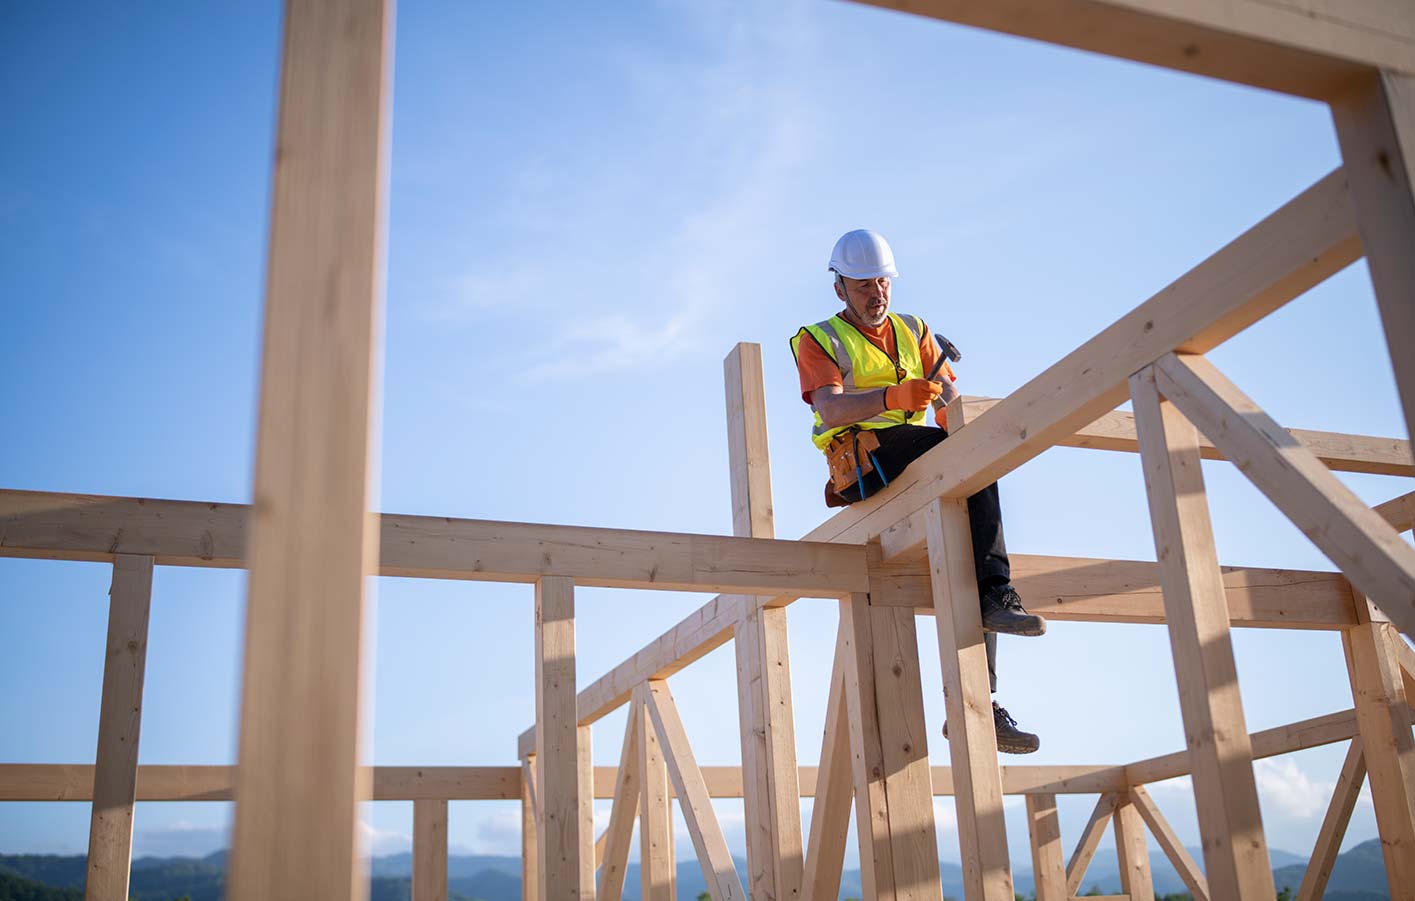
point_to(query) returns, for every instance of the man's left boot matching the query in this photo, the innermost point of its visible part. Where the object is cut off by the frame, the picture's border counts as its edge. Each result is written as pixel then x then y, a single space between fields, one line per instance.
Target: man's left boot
pixel 1003 613
pixel 1010 739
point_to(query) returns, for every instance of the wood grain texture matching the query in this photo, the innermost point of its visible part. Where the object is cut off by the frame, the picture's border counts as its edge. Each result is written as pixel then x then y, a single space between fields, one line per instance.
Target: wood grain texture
pixel 557 744
pixel 1184 863
pixel 1226 796
pixel 1328 846
pixel 115 774
pixel 530 831
pixel 867 768
pixel 429 850
pixel 312 542
pixel 1132 851
pixel 1338 451
pixel 657 868
pixel 1090 840
pixel 1048 864
pixel 833 791
pixel 1398 511
pixel 1373 556
pixel 972 744
pixel 1305 47
pixel 620 831
pixel 1375 126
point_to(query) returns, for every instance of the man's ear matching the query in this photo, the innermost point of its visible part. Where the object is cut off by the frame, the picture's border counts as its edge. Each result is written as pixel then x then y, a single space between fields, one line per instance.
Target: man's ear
pixel 840 291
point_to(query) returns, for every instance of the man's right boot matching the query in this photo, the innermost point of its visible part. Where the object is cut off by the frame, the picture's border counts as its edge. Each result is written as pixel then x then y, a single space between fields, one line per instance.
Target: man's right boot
pixel 1003 612
pixel 1010 739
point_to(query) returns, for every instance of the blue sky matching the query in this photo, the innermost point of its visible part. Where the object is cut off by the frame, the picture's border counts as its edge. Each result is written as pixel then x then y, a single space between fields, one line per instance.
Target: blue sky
pixel 587 211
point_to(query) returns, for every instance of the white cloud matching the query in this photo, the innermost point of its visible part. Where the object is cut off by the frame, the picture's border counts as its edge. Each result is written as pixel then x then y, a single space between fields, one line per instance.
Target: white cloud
pixel 1286 789
pixel 379 842
pixel 180 839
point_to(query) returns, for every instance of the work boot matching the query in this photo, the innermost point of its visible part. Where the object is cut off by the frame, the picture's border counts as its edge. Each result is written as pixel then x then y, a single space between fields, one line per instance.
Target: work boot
pixel 1002 612
pixel 1010 739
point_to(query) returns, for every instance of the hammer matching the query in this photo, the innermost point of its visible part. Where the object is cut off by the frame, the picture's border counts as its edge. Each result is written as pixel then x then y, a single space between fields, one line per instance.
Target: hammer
pixel 948 351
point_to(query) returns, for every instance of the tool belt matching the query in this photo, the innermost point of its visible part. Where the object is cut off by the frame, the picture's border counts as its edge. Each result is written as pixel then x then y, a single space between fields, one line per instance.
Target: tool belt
pixel 851 457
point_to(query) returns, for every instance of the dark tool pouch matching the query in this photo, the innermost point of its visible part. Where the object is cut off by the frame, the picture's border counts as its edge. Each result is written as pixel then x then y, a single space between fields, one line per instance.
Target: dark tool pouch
pixel 850 457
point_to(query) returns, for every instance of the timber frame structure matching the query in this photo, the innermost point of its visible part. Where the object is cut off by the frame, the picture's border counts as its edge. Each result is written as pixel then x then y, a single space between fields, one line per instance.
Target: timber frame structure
pixel 309 544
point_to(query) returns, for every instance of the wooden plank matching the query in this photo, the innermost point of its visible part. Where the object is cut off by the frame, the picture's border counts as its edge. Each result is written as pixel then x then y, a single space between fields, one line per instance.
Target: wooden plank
pixel 904 744
pixel 1305 47
pixel 1300 245
pixel 1081 589
pixel 834 792
pixel 557 742
pixel 768 732
pixel 584 804
pixel 615 862
pixel 311 543
pixel 530 829
pixel 1044 830
pixel 1090 840
pixel 185 533
pixel 1328 846
pixel 429 850
pixel 115 775
pixel 1398 511
pixel 1184 863
pixel 1132 851
pixel 1338 451
pixel 972 746
pixel 866 753
pixel 1373 556
pixel 1226 796
pixel 1375 125
pixel 706 833
pixel 1385 720
pixel 657 867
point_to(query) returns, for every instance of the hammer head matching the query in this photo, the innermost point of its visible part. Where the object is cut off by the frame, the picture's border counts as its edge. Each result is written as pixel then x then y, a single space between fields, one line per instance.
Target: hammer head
pixel 947 348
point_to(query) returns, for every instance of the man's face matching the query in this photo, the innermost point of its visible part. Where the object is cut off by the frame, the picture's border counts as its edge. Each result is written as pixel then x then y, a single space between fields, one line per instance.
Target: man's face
pixel 866 298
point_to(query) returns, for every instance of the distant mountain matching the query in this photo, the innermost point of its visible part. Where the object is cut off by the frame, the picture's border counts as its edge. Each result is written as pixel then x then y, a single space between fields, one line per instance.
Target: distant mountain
pixel 1359 875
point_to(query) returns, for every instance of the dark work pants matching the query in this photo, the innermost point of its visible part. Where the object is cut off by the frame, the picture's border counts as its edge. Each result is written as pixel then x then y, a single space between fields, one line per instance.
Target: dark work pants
pixel 903 444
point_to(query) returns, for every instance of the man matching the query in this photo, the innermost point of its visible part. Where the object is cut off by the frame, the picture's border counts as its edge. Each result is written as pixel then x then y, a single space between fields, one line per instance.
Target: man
pixel 864 371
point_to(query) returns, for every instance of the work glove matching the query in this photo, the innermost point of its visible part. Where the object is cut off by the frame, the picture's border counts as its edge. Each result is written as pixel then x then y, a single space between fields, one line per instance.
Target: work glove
pixel 915 394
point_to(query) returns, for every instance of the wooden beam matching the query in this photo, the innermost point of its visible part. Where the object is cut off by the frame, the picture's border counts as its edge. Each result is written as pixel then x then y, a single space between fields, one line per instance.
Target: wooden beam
pixel 561 845
pixel 1132 851
pixel 833 791
pixel 615 863
pixel 1299 246
pixel 1339 452
pixel 115 776
pixel 657 867
pixel 1090 840
pixel 1385 719
pixel 972 746
pixel 1398 511
pixel 768 732
pixel 1081 589
pixel 1044 831
pixel 1184 863
pixel 1303 47
pixel 311 544
pixel 1374 557
pixel 708 840
pixel 187 533
pixel 429 851
pixel 1226 796
pixel 530 831
pixel 1328 846
pixel 584 805
pixel 1375 125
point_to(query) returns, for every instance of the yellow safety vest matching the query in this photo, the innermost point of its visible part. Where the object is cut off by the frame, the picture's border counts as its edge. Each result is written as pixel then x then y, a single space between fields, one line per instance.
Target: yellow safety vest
pixel 865 368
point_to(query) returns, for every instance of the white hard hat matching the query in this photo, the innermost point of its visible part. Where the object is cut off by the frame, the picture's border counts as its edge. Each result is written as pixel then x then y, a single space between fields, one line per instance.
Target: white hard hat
pixel 863 254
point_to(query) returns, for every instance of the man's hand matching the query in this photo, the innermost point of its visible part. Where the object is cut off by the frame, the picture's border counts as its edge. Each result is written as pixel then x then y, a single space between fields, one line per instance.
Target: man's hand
pixel 913 395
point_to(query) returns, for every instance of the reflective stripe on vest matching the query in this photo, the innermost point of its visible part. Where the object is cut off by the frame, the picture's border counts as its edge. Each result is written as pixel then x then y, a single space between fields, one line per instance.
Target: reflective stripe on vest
pixel 864 368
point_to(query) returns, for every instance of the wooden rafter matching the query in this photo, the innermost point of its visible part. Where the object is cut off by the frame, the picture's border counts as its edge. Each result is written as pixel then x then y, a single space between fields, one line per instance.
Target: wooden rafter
pixel 834 793
pixel 1343 802
pixel 1184 863
pixel 1399 512
pixel 1089 841
pixel 1373 556
pixel 619 832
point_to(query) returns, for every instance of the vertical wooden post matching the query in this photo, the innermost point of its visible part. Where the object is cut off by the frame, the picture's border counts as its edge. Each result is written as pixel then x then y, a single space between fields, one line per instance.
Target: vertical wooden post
pixel 530 831
pixel 584 803
pixel 1048 858
pixel 1375 124
pixel 115 771
pixel 830 813
pixel 313 543
pixel 621 818
pixel 1133 852
pixel 563 862
pixel 1385 724
pixel 1220 752
pixel 972 746
pixel 771 791
pixel 656 864
pixel 429 850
